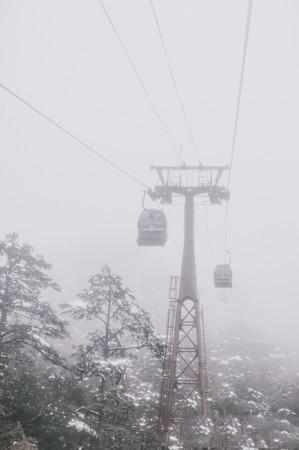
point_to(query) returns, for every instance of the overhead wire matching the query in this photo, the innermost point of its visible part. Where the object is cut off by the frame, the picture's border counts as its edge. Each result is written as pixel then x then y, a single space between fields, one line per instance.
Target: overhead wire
pixel 141 82
pixel 240 89
pixel 146 92
pixel 181 103
pixel 237 113
pixel 173 78
pixel 79 141
pixel 71 135
pixel 154 109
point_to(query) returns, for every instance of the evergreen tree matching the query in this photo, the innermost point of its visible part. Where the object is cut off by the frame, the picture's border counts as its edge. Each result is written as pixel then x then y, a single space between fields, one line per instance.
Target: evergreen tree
pixel 26 326
pixel 123 328
pixel 26 322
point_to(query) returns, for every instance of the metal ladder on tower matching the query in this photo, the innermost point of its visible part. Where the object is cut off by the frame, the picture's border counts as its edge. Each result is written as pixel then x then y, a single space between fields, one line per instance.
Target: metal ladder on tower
pixel 203 350
pixel 173 297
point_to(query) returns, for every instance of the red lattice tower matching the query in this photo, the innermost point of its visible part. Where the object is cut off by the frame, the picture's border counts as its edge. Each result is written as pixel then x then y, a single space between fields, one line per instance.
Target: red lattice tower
pixel 184 389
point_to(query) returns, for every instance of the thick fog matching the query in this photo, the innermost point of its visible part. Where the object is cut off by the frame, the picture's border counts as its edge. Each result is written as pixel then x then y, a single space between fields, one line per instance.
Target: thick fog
pixel 80 212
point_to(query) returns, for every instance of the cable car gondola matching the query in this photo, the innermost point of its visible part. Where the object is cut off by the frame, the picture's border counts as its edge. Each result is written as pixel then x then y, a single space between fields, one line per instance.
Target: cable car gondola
pixel 223 276
pixel 152 228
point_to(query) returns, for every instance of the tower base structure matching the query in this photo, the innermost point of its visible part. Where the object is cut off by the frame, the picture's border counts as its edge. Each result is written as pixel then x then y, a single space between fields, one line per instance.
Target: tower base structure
pixel 183 408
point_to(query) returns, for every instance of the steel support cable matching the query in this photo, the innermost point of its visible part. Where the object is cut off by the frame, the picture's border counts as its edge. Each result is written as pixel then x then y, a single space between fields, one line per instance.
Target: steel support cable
pixel 71 135
pixel 173 78
pixel 237 113
pixel 146 92
pixel 78 140
pixel 142 84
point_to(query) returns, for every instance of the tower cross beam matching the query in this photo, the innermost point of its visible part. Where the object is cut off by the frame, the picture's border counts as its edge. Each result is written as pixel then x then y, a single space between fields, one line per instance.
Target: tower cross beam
pixel 190 180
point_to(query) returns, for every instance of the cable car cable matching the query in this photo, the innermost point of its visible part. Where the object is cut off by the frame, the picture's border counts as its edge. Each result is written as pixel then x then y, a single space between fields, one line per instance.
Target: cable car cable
pixel 75 138
pixel 71 135
pixel 156 113
pixel 237 114
pixel 142 84
pixel 173 78
pixel 240 89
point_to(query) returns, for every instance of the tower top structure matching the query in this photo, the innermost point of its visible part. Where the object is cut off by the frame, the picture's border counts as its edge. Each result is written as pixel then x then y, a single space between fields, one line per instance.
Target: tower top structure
pixel 190 180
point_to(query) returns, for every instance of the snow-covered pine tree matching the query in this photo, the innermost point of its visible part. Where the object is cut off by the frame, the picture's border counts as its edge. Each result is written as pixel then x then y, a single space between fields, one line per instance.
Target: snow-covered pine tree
pixel 26 322
pixel 27 327
pixel 121 330
pixel 122 327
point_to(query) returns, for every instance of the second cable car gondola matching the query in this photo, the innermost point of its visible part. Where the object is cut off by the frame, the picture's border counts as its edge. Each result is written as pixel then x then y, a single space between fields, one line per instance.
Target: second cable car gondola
pixel 152 228
pixel 223 276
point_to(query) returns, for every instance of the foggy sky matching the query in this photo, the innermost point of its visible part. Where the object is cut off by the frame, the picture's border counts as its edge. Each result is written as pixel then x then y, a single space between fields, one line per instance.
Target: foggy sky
pixel 81 213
